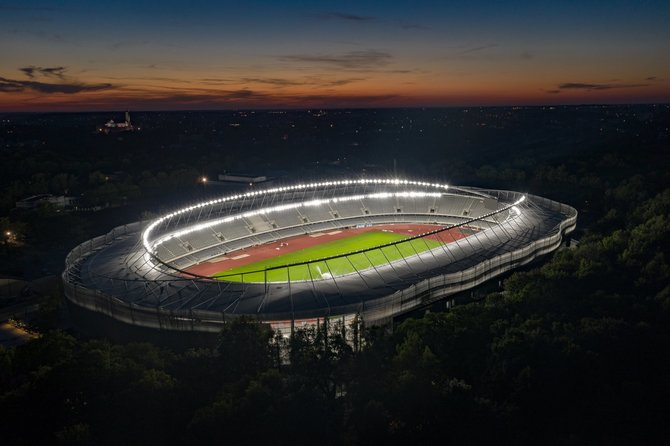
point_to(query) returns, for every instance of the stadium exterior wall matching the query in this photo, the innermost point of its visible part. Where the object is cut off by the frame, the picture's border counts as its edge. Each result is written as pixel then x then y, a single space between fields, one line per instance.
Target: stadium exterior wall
pixel 373 312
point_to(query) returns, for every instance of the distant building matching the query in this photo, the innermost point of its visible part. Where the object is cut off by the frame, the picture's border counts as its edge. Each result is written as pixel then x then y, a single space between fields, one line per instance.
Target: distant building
pixel 241 178
pixel 114 127
pixel 37 200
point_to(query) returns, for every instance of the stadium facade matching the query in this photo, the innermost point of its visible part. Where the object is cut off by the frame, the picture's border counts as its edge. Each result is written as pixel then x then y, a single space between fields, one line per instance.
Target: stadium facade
pixel 149 274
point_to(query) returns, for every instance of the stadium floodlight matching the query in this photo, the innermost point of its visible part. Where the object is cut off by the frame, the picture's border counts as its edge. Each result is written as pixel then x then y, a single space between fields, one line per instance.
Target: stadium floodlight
pixel 150 246
pixel 364 181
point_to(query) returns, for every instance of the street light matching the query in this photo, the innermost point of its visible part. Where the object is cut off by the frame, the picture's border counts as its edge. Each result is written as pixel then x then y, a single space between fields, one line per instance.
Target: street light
pixel 203 181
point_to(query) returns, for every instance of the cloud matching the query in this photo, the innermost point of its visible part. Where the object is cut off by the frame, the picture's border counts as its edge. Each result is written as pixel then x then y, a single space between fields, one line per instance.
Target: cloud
pixel 340 82
pixel 196 98
pixel 346 17
pixel 217 81
pixel 526 55
pixel 349 17
pixel 32 71
pixel 58 38
pixel 63 84
pixel 309 80
pixel 350 60
pixel 271 81
pixel 596 87
pixel 193 98
pixel 652 78
pixel 200 98
pixel 11 85
pixel 149 78
pixel 241 94
pixel 462 52
pixel 478 48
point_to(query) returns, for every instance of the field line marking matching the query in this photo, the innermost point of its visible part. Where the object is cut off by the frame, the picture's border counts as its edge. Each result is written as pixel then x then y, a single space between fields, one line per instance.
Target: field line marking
pixel 217 259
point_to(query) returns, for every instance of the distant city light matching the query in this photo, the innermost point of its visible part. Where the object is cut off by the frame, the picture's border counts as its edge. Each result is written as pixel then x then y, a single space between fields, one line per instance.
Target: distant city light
pixel 203 179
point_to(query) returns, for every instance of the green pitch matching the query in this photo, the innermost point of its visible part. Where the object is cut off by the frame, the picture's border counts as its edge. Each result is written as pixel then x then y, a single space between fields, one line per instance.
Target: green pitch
pixel 335 267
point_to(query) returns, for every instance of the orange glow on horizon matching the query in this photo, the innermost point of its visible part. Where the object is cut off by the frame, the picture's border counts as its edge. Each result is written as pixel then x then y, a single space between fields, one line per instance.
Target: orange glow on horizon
pixel 297 90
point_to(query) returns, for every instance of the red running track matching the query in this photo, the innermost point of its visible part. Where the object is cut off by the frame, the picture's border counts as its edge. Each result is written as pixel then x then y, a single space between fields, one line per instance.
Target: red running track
pixel 257 253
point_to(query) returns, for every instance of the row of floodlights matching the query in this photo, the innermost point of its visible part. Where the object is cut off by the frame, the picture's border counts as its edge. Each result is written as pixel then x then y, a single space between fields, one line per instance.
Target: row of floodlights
pixel 513 207
pixel 151 246
pixel 391 181
pixel 303 186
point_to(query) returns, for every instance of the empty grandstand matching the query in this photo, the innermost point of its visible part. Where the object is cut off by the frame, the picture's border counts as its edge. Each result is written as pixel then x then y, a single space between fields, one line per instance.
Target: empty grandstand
pixel 285 255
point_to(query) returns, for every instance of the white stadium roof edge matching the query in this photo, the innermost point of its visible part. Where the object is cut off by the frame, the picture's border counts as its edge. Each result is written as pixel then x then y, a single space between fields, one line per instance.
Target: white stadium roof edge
pixel 136 273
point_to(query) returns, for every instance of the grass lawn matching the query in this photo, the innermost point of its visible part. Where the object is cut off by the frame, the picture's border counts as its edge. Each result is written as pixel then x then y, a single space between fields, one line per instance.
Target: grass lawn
pixel 335 267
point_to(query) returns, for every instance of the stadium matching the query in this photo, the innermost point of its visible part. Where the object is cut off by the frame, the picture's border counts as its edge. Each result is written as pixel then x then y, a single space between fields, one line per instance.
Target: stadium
pixel 298 254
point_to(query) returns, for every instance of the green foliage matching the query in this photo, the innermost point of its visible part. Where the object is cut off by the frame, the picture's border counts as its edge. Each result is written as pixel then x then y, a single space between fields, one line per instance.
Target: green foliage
pixel 77 434
pixel 49 314
pixel 572 352
pixel 244 347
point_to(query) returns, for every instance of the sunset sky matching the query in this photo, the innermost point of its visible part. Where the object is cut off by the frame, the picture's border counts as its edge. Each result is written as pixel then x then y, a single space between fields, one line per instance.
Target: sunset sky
pixel 117 55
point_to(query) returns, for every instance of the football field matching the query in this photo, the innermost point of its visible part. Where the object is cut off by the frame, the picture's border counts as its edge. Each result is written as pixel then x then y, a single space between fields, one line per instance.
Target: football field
pixel 261 271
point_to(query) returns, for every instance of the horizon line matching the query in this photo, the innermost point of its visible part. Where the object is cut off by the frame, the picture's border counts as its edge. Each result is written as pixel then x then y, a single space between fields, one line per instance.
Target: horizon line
pixel 284 109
